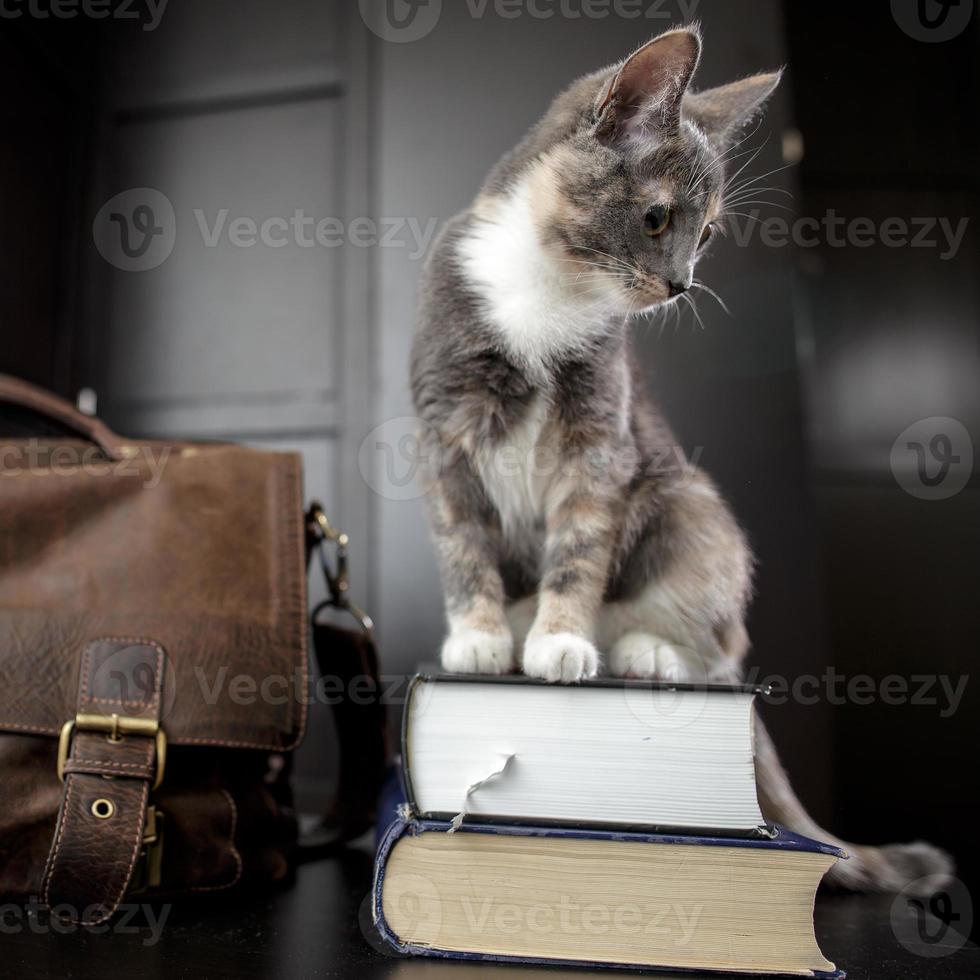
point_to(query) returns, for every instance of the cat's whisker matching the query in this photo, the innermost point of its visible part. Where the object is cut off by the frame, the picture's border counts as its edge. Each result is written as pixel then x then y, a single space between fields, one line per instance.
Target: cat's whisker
pixel 715 166
pixel 760 188
pixel 728 156
pixel 748 163
pixel 771 204
pixel 598 282
pixel 739 196
pixel 743 214
pixel 749 191
pixel 594 269
pixel 605 267
pixel 694 309
pixel 700 285
pixel 598 251
pixel 729 189
pixel 698 161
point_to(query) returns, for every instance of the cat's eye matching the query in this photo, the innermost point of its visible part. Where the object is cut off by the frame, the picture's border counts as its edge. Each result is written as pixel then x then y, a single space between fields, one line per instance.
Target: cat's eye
pixel 656 220
pixel 705 235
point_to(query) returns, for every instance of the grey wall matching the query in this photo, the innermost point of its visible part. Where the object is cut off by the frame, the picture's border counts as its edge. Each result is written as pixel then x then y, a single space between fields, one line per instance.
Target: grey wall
pixel 254 110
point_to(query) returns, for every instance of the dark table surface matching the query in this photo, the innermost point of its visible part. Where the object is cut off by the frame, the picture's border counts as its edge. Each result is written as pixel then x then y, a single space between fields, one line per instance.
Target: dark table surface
pixel 311 929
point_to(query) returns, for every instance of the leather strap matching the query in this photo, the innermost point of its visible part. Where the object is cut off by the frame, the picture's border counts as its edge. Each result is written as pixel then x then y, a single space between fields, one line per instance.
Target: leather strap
pixel 99 835
pixel 13 391
pixel 350 658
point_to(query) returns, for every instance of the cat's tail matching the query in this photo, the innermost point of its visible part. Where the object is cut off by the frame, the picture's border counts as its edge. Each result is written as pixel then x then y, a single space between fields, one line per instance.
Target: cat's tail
pixel 891 868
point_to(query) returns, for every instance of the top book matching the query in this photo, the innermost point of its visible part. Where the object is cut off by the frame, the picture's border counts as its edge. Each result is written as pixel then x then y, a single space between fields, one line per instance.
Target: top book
pixel 610 753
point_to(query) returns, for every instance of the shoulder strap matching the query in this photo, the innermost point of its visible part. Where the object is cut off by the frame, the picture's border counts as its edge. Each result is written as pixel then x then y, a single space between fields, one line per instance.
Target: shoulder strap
pixel 347 661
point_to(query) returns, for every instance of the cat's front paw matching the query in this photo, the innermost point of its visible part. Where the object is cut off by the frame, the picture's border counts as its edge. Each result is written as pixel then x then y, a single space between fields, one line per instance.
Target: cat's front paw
pixel 478 652
pixel 643 655
pixel 560 658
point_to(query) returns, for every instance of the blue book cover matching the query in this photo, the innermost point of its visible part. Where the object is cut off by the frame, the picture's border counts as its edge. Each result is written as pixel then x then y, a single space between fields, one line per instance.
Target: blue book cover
pixel 396 822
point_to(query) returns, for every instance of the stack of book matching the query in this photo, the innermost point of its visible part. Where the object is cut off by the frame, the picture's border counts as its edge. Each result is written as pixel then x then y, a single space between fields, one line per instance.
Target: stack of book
pixel 610 823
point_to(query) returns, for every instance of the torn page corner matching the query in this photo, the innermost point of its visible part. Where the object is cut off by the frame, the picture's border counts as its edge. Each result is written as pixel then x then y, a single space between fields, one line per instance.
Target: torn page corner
pixel 457 821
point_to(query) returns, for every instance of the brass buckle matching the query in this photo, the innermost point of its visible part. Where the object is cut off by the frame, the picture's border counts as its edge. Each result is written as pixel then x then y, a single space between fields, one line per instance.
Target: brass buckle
pixel 115 727
pixel 148 872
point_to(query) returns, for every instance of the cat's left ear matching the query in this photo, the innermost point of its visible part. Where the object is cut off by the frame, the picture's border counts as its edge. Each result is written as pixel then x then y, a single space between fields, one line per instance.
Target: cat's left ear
pixel 643 100
pixel 724 110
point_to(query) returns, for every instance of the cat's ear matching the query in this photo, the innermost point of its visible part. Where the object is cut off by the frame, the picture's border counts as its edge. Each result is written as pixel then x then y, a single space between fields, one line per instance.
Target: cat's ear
pixel 643 99
pixel 724 110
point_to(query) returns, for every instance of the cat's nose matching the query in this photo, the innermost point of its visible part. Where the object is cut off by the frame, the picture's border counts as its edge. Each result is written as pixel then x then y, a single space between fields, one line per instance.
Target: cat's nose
pixel 676 288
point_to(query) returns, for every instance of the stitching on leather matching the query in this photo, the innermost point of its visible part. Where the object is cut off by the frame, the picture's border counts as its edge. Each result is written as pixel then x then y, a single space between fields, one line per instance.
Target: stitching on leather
pixel 33 729
pixel 234 850
pixel 128 876
pixel 83 766
pixel 52 863
pixel 86 664
pixel 98 767
pixel 302 604
pixel 229 744
pixel 292 548
pixel 153 704
pixel 119 701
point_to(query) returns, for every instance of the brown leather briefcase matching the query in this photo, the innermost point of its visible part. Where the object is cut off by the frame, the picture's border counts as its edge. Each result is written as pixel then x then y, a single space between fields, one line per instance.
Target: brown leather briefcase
pixel 153 662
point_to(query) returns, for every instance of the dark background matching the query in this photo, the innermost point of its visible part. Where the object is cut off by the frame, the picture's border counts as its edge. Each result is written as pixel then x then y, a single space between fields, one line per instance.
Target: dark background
pixel 793 403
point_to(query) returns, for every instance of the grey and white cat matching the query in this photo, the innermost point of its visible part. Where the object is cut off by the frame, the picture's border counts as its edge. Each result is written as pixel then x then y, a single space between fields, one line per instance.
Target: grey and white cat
pixel 562 526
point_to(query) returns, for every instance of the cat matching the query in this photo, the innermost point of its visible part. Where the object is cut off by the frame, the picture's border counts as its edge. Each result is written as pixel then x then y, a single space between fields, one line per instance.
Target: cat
pixel 561 526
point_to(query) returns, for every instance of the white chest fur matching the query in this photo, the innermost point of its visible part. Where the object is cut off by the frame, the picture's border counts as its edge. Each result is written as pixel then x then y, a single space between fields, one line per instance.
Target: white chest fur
pixel 541 307
pixel 518 471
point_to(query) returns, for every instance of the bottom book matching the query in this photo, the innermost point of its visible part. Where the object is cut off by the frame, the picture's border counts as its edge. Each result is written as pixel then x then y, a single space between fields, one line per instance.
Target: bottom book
pixel 593 898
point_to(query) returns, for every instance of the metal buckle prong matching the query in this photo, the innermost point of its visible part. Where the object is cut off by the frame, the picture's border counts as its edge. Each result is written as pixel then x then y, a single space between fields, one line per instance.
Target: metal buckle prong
pixel 115 727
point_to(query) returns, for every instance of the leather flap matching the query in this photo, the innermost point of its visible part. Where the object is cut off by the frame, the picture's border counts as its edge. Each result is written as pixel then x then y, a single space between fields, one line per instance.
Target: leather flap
pixel 197 548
